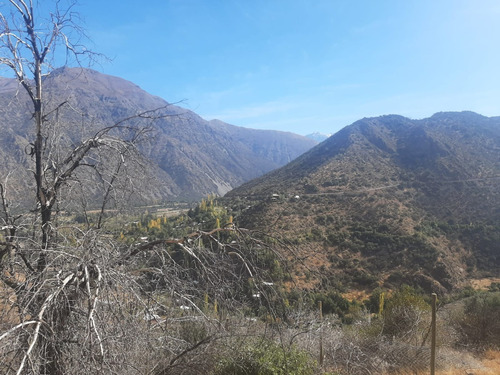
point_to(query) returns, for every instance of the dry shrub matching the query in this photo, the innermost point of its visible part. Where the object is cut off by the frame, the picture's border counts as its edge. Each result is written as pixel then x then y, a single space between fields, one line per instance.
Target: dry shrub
pixel 355 353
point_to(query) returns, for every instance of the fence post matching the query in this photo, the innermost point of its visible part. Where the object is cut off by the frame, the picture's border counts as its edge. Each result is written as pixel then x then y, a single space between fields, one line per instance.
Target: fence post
pixel 433 333
pixel 320 307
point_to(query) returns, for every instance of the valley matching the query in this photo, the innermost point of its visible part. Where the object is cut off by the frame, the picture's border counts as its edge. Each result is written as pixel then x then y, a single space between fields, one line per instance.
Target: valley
pixel 211 237
pixel 140 236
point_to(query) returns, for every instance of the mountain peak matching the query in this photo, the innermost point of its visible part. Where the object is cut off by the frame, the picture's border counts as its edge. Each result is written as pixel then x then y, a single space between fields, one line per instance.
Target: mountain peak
pixel 318 137
pixel 466 115
pixel 76 77
pixel 399 146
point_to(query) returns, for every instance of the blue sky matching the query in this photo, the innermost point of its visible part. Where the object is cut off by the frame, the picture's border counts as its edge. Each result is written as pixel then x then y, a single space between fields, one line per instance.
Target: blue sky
pixel 304 66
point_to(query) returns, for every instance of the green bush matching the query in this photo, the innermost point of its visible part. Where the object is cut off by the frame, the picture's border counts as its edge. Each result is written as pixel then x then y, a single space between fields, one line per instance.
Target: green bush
pixel 332 302
pixel 479 325
pixel 494 287
pixel 406 314
pixel 266 358
pixel 375 303
pixel 310 189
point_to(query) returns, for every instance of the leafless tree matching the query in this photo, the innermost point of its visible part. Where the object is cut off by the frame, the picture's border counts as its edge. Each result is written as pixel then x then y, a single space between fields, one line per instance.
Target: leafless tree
pixel 48 269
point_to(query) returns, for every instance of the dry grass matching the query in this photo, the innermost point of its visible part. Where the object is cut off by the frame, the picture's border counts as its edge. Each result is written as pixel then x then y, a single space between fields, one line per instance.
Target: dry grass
pixel 356 295
pixel 484 284
pixel 140 333
pixel 491 362
pixel 488 364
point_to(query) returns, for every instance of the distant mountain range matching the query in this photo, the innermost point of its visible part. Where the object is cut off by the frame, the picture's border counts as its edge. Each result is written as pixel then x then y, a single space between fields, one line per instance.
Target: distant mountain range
pixel 389 200
pixel 318 137
pixel 192 157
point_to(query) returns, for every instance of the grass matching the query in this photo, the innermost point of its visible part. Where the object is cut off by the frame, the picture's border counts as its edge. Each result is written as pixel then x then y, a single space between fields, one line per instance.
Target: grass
pixel 488 364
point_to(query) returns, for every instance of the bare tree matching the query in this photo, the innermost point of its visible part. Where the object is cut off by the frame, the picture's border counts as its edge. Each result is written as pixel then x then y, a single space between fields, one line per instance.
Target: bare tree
pixel 47 273
pixel 27 51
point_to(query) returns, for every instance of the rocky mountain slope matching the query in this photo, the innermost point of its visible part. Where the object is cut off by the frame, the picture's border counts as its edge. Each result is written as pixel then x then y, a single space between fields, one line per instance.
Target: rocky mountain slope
pixel 191 157
pixel 389 200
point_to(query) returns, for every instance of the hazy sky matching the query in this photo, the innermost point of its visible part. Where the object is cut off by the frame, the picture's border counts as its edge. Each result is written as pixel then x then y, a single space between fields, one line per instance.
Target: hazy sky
pixel 304 66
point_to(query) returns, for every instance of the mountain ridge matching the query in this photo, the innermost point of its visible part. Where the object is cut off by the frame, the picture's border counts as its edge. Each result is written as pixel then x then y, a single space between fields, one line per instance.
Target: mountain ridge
pixel 192 157
pixel 393 199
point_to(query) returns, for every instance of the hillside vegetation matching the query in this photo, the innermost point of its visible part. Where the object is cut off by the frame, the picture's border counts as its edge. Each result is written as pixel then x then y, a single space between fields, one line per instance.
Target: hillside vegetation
pixel 92 284
pixel 388 201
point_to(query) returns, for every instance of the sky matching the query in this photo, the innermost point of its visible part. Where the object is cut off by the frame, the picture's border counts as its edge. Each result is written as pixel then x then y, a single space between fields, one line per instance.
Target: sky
pixel 304 66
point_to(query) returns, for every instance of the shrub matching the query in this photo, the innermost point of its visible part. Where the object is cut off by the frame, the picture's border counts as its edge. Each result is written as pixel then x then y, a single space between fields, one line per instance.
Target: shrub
pixel 406 314
pixel 375 303
pixel 479 324
pixel 310 189
pixel 332 302
pixel 494 287
pixel 266 357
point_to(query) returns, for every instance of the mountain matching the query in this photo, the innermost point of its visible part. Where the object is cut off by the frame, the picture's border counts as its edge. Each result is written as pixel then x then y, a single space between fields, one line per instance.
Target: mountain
pixel 388 200
pixel 318 137
pixel 191 157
